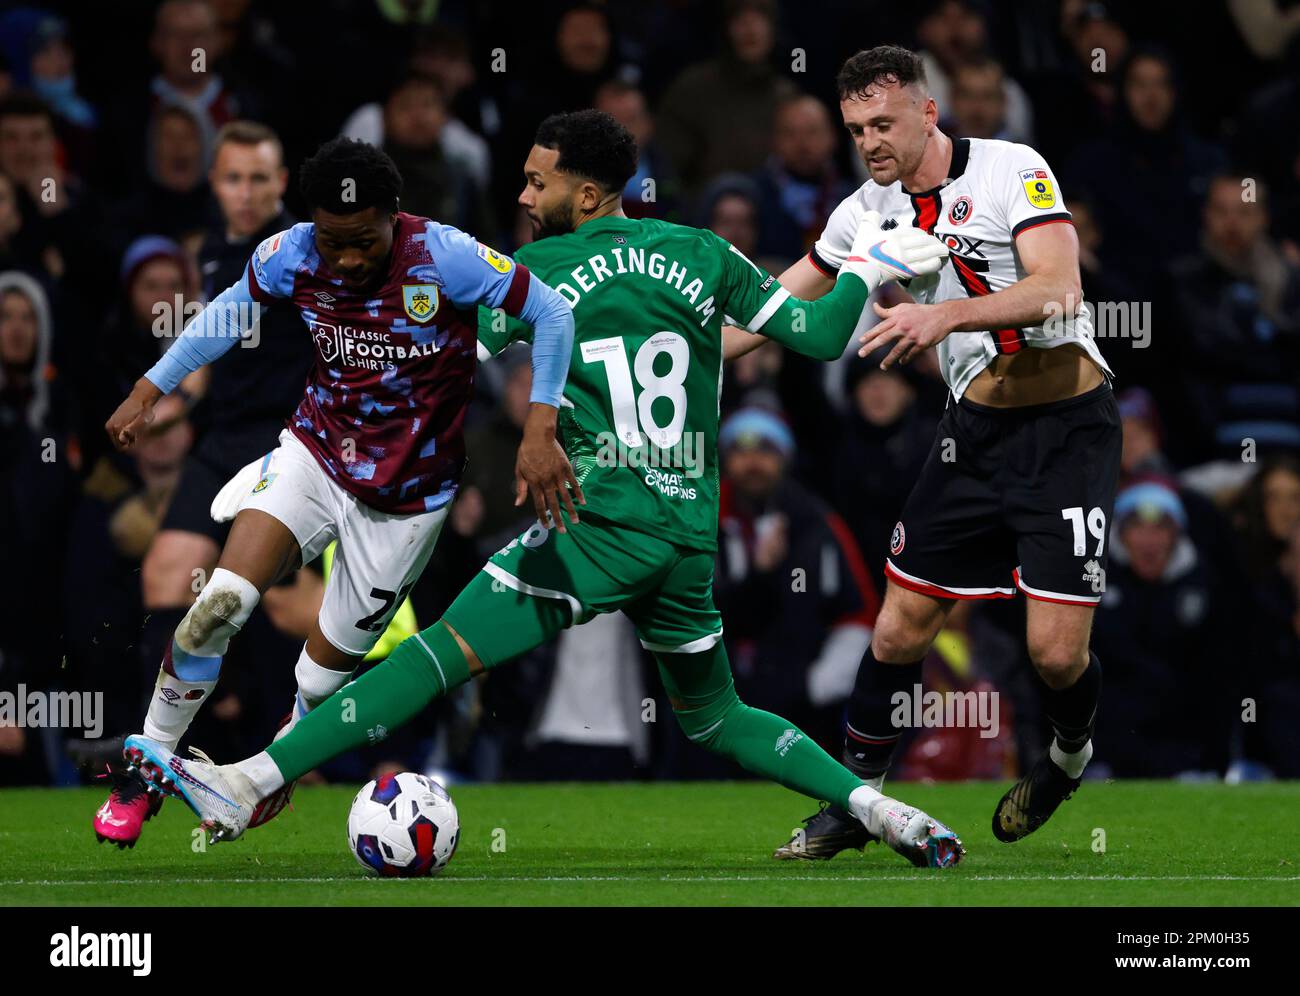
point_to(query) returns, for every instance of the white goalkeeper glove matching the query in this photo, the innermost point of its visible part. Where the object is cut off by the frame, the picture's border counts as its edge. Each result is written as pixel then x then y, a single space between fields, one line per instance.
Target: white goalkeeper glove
pixel 879 255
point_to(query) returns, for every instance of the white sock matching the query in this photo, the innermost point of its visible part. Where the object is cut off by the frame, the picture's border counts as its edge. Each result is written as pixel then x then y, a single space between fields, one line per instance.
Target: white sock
pixel 877 783
pixel 262 772
pixel 173 706
pixel 315 685
pixel 1071 764
pixel 192 663
pixel 865 803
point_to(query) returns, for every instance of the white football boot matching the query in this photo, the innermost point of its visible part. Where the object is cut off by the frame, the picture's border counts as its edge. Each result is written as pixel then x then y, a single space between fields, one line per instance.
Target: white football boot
pixel 920 838
pixel 222 796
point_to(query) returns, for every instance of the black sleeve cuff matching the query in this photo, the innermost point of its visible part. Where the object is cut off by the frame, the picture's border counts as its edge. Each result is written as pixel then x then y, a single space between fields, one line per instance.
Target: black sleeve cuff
pixel 1042 219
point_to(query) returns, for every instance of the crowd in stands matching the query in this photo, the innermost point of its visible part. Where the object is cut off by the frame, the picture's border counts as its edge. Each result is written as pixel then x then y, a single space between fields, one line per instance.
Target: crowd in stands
pixel 146 149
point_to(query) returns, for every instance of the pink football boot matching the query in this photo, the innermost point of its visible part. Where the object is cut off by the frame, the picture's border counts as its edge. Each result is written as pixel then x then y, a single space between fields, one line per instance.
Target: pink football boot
pixel 121 818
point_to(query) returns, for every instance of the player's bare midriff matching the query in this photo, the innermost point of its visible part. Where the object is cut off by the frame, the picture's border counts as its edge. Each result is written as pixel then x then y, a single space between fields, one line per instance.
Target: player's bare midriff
pixel 1035 377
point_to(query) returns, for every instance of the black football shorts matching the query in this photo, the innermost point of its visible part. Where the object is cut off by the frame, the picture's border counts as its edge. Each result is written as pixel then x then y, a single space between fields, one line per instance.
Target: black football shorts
pixel 1013 498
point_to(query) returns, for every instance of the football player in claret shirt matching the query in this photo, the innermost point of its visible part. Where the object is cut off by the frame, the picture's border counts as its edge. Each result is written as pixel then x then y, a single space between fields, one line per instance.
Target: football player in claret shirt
pixel 373 454
pixel 1017 492
pixel 640 421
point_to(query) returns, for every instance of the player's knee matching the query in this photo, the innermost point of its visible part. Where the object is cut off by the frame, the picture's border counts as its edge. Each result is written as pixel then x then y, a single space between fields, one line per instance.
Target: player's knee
pixel 704 721
pixel 222 608
pixel 1058 662
pixel 900 637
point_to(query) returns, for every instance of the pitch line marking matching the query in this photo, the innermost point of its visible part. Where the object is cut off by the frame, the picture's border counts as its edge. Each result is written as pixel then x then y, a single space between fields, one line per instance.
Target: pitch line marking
pixel 957 876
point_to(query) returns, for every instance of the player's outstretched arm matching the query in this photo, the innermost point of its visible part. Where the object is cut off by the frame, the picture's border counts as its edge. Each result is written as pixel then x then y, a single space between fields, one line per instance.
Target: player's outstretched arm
pixel 803 280
pixel 207 336
pixel 822 329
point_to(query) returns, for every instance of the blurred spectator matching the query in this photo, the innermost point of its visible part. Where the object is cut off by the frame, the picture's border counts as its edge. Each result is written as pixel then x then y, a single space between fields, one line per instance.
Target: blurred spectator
pixel 433 183
pixel 253 60
pixel 36 490
pixel 1271 115
pixel 444 56
pixel 1268 510
pixel 652 190
pixel 717 115
pixel 953 33
pixel 584 54
pixel 977 105
pixel 19 249
pixel 883 441
pixel 184 44
pixel 35 44
pixel 25 345
pixel 52 200
pixel 790 582
pixel 184 40
pixel 1162 637
pixel 800 185
pixel 1149 173
pixel 1237 321
pixel 1267 520
pixel 174 198
pixel 1081 98
pixel 156 279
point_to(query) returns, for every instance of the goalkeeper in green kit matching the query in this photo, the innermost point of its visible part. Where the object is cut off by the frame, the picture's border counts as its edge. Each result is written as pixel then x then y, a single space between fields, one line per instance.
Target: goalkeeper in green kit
pixel 639 424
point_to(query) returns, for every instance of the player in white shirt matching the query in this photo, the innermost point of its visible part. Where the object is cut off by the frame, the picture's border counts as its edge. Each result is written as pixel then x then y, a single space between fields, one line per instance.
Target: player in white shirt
pixel 1018 490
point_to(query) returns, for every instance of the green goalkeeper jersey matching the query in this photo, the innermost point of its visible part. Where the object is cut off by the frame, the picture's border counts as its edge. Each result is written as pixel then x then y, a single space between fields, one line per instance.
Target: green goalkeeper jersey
pixel 639 416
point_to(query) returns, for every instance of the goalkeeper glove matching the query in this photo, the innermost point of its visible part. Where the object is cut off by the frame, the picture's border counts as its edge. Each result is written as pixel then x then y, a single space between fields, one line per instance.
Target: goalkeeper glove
pixel 879 255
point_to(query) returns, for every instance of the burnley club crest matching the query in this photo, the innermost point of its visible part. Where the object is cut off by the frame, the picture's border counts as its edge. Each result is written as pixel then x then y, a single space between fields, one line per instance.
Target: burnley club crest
pixel 420 300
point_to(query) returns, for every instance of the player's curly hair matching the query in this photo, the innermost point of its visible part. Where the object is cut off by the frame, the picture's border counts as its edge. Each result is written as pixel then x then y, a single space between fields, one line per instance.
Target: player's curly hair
pixel 878 66
pixel 592 145
pixel 346 176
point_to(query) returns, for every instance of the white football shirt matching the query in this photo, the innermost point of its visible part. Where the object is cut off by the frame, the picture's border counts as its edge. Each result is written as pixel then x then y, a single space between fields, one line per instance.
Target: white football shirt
pixel 994 191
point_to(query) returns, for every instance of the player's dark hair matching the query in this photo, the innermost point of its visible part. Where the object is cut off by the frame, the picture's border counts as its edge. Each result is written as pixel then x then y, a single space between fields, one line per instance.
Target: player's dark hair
pixel 592 145
pixel 879 66
pixel 346 176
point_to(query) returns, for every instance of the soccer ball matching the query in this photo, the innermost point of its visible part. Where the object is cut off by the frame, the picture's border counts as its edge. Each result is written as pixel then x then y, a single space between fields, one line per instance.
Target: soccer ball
pixel 403 826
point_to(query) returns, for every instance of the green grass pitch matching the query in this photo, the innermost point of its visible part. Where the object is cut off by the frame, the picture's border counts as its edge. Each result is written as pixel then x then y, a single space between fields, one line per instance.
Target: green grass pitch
pixel 677 844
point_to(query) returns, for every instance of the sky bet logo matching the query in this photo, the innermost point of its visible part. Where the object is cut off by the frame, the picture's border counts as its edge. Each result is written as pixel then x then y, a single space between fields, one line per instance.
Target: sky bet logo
pixel 367 349
pixel 90 950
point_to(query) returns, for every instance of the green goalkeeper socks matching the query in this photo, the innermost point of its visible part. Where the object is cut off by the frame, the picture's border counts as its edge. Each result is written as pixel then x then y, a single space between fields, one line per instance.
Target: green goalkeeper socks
pixel 362 712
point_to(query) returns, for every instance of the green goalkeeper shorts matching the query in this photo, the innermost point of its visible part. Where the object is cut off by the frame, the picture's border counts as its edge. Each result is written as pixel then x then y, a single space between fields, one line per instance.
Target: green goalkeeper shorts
pixel 664 589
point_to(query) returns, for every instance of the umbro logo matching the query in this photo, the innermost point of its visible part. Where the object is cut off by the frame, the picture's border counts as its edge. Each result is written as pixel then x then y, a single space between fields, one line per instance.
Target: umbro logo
pixel 325 299
pixel 888 223
pixel 170 694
